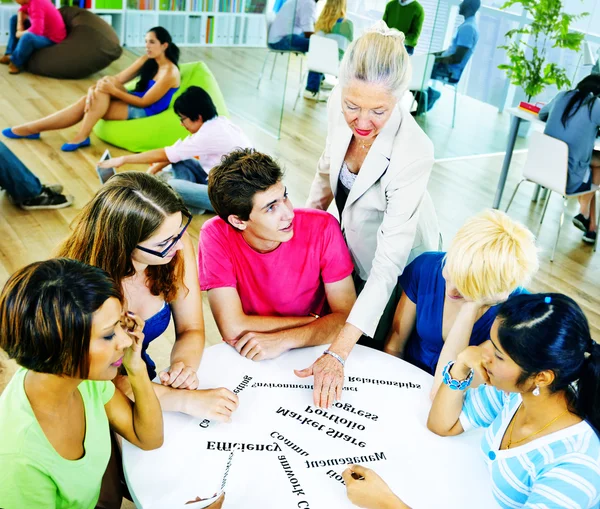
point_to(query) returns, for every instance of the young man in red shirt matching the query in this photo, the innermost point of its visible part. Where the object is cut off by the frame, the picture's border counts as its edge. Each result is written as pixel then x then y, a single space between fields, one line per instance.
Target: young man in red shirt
pixel 277 278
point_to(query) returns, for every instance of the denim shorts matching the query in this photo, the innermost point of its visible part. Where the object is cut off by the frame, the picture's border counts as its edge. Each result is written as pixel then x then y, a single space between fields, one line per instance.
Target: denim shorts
pixel 135 112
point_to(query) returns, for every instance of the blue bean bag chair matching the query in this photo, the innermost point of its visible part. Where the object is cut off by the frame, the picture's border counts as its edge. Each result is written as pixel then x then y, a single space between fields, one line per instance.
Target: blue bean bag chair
pixel 164 129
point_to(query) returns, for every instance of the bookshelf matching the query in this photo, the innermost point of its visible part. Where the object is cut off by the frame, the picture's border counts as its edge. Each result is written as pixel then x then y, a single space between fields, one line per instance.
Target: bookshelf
pixel 190 22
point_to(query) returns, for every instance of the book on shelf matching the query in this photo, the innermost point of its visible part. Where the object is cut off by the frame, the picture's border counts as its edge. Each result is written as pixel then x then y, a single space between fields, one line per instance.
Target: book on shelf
pixel 210 29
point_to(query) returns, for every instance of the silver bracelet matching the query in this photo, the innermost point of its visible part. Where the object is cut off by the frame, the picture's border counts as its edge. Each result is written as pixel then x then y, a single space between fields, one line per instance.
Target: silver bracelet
pixel 336 356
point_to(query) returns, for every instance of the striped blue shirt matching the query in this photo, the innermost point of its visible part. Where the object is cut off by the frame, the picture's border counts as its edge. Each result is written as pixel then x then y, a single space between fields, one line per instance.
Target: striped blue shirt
pixel 559 470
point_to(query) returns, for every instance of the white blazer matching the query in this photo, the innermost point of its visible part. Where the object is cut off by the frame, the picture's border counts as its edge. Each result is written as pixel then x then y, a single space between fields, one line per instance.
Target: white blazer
pixel 389 218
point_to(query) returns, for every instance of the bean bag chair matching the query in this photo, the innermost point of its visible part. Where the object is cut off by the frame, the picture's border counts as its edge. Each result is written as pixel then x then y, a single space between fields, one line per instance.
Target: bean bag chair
pixel 164 129
pixel 90 46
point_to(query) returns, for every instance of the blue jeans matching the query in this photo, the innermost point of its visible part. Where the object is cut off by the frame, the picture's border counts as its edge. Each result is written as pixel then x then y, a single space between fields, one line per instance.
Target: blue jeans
pixel 292 42
pixel 12 36
pixel 313 82
pixel 409 49
pixel 15 178
pixel 190 182
pixel 21 49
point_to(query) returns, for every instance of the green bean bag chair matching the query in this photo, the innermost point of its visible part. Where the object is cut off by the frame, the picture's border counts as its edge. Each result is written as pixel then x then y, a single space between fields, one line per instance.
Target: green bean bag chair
pixel 164 129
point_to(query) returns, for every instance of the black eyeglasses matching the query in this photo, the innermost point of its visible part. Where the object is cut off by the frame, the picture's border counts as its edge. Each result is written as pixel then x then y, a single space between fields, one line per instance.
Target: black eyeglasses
pixel 165 251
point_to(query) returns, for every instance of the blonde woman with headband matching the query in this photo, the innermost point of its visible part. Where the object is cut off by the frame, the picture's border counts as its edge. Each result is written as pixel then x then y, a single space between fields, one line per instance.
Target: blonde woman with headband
pixel 375 166
pixel 332 23
pixel 451 299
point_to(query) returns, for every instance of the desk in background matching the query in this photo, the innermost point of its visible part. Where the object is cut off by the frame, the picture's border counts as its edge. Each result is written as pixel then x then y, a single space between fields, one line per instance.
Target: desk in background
pixel 518 115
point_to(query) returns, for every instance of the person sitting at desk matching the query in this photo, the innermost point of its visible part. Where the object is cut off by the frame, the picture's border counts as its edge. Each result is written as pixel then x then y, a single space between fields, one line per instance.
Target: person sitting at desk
pixel 293 26
pixel 277 278
pixel 191 160
pixel 135 229
pixel 450 300
pixel 109 99
pixel 541 408
pixel 333 24
pixel 450 64
pixel 574 117
pixel 65 324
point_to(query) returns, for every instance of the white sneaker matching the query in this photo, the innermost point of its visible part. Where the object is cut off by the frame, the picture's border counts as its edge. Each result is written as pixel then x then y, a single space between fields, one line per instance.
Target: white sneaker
pixel 313 96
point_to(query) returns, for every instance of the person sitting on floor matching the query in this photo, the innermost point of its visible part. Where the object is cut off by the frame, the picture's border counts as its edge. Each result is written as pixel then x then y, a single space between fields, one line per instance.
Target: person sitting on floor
pixel 65 324
pixel 541 408
pixel 192 159
pixel 573 116
pixel 159 79
pixel 450 64
pixel 135 229
pixel 24 188
pixel 333 24
pixel 277 278
pixel 293 26
pixel 406 16
pixel 450 300
pixel 37 25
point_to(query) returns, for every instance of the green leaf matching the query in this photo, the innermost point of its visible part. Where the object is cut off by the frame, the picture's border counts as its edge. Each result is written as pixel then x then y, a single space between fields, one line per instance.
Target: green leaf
pixel 549 28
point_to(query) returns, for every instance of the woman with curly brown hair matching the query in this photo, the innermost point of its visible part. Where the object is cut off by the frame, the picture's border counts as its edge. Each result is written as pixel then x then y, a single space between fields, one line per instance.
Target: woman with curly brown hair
pixel 134 229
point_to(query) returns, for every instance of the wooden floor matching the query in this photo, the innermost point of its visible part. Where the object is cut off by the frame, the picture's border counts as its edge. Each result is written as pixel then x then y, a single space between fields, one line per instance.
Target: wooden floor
pixel 460 188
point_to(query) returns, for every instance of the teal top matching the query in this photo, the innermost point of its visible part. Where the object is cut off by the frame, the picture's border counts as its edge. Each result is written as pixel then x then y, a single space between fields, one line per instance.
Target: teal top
pixel 342 32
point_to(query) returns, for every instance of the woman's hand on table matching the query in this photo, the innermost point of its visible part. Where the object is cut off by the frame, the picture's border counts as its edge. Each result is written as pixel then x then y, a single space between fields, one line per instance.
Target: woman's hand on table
pixel 258 346
pixel 214 404
pixel 366 489
pixel 328 375
pixel 179 376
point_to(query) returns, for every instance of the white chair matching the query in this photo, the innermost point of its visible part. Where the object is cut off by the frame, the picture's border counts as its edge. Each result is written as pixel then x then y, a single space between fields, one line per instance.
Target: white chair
pixel 275 52
pixel 422 65
pixel 323 57
pixel 547 166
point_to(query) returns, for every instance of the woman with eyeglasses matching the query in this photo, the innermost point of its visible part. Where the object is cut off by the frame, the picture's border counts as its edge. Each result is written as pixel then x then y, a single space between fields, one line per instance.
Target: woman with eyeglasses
pixel 134 229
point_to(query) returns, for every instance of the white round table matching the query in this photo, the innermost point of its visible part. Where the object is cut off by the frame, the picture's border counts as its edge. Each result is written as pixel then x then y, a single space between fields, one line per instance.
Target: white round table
pixel 289 454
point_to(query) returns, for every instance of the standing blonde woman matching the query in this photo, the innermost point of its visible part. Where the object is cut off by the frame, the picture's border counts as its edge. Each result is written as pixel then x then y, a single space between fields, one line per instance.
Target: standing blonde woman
pixel 332 23
pixel 376 165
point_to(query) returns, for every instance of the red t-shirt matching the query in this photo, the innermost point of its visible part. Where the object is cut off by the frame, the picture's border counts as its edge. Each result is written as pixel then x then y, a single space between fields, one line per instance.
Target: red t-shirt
pixel 288 281
pixel 45 20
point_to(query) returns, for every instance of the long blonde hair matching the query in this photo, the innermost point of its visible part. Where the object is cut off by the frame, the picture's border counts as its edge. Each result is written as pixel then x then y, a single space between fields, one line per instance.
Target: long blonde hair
pixel 333 10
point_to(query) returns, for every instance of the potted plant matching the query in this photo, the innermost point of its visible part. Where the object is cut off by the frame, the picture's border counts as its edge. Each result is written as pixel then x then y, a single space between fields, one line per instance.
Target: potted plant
pixel 527 46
